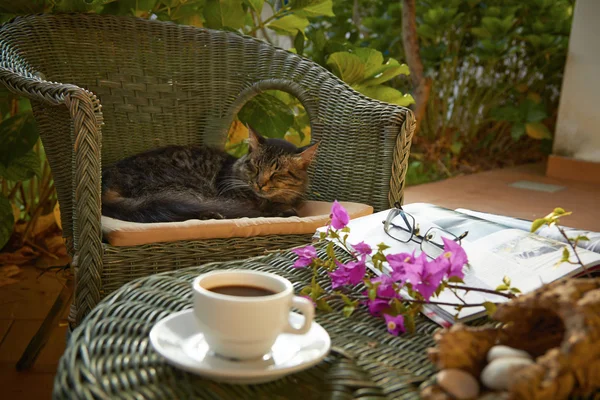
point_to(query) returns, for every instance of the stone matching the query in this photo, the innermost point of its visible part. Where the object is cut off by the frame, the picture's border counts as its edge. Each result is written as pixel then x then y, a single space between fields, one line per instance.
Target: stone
pixel 497 374
pixel 458 383
pixel 500 351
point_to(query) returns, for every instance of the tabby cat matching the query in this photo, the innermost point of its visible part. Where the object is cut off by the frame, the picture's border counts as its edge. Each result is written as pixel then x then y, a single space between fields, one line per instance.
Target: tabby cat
pixel 177 183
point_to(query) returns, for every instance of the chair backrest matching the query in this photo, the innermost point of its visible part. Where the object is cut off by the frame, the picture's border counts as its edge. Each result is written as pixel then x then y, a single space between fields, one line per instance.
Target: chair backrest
pixel 161 83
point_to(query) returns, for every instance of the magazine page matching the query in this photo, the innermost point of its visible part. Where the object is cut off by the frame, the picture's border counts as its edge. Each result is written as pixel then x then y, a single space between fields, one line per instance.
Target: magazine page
pixel 551 232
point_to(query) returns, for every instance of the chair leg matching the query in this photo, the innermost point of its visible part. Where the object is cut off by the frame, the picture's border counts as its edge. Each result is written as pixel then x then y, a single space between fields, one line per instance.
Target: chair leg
pixel 41 337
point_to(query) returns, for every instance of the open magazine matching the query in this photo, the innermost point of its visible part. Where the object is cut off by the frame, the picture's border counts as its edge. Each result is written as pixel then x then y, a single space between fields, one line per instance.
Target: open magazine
pixel 494 250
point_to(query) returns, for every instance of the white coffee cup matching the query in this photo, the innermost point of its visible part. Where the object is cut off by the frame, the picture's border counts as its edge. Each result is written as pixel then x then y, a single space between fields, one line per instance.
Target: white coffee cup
pixel 244 327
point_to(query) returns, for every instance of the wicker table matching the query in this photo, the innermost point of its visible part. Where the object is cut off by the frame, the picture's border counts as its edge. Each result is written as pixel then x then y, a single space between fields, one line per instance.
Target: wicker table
pixel 109 355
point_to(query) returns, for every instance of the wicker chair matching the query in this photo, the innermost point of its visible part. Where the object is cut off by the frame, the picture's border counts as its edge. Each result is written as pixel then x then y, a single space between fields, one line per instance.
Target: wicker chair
pixel 132 84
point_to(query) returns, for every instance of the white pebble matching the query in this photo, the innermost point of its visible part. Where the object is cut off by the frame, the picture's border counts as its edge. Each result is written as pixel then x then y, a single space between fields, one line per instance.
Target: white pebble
pixel 458 383
pixel 497 374
pixel 500 351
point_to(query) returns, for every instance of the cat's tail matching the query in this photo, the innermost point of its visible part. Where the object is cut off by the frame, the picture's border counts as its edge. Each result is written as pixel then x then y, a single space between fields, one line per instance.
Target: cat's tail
pixel 170 207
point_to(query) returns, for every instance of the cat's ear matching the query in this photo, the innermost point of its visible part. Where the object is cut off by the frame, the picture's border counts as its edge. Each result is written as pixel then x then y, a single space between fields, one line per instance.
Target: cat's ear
pixel 307 154
pixel 254 139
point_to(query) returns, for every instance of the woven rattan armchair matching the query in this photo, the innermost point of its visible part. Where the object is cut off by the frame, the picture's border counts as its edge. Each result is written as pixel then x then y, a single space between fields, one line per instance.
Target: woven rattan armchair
pixel 129 84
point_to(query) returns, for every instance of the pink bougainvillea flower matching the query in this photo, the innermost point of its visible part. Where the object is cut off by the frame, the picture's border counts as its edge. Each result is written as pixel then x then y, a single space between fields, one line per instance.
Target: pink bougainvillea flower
pixel 411 270
pixel 362 248
pixel 430 275
pixel 455 257
pixel 305 256
pixel 376 306
pixel 385 289
pixel 395 325
pixel 350 273
pixel 339 216
pixel 339 277
pixel 356 270
pixel 398 264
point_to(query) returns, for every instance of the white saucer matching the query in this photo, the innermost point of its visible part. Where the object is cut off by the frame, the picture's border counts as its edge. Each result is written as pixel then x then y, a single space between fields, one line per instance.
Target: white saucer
pixel 177 338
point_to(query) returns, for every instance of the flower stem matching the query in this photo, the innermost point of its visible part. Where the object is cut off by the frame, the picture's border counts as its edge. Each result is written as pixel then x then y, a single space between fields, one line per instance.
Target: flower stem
pixel 437 303
pixel 475 289
pixel 564 234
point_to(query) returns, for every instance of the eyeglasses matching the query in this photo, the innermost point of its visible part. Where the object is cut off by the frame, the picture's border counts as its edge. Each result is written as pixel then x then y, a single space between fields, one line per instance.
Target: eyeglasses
pixel 401 226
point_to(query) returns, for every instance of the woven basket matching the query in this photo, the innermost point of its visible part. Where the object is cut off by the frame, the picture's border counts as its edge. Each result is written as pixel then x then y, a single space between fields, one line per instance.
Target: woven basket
pixel 131 84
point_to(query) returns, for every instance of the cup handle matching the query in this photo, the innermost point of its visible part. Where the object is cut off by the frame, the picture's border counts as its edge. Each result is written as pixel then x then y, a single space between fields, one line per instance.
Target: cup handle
pixel 307 309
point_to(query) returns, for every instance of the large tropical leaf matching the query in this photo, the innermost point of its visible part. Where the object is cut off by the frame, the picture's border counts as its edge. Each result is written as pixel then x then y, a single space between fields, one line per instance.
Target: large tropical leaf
pixel 267 115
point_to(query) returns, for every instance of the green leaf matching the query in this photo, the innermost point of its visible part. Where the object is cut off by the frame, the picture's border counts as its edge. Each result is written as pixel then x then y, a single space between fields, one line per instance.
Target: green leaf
pixel 409 323
pixel 426 31
pixel 6 221
pixel 323 305
pixel 382 247
pixel 299 43
pixel 506 113
pixel 515 290
pixel 565 255
pixel 501 288
pixel 348 67
pixel 268 115
pixel 537 224
pixel 580 238
pixel 289 24
pixel 506 280
pixel 537 130
pixel 490 308
pixel 385 94
pixel 317 8
pixel 455 279
pixel 330 251
pixel 306 290
pixel 22 168
pixel 224 13
pixel 346 229
pixel 481 33
pixel 372 292
pixel 348 310
pixel 257 5
pixel 371 58
pixel 456 147
pixel 322 235
pixel 18 135
pixel 531 110
pixel 385 72
pixel 517 130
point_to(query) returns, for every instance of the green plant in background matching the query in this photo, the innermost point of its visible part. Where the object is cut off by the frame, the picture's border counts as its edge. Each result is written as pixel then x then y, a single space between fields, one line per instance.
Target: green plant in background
pixel 495 66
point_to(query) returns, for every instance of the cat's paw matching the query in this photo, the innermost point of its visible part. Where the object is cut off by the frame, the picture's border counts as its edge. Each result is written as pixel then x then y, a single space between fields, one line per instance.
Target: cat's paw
pixel 213 215
pixel 288 213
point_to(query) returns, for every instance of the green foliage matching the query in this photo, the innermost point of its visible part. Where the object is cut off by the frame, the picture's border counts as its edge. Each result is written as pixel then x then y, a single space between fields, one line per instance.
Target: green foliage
pixel 268 115
pixel 482 56
pixel 6 221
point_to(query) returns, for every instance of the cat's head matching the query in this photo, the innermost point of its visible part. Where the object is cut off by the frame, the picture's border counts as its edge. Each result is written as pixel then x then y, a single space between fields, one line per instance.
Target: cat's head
pixel 275 169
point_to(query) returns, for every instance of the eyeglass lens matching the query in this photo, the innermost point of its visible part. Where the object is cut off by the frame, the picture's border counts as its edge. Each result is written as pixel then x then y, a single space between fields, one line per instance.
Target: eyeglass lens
pixel 400 225
pixel 432 243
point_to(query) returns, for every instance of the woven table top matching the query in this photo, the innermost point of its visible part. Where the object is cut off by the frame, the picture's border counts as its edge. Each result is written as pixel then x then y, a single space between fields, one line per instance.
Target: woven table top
pixel 109 355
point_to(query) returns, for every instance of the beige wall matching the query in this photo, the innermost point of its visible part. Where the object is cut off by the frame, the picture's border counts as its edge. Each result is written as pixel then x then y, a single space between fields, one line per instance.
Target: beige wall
pixel 578 127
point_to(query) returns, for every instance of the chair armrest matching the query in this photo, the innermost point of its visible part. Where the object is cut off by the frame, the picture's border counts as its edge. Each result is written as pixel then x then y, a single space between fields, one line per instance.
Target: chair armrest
pixel 86 116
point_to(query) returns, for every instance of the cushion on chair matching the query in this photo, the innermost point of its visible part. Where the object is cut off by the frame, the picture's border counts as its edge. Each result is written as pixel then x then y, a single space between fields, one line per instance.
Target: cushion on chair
pixel 312 215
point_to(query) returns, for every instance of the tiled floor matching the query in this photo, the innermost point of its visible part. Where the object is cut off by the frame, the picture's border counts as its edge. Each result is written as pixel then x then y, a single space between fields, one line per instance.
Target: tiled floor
pixel 24 305
pixel 495 192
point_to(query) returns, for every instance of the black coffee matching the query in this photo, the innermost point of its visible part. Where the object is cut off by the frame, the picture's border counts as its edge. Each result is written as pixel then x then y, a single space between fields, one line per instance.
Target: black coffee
pixel 242 291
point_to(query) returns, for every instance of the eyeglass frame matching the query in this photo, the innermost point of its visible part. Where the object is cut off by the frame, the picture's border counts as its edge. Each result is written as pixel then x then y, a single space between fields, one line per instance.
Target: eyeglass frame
pixel 414 230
